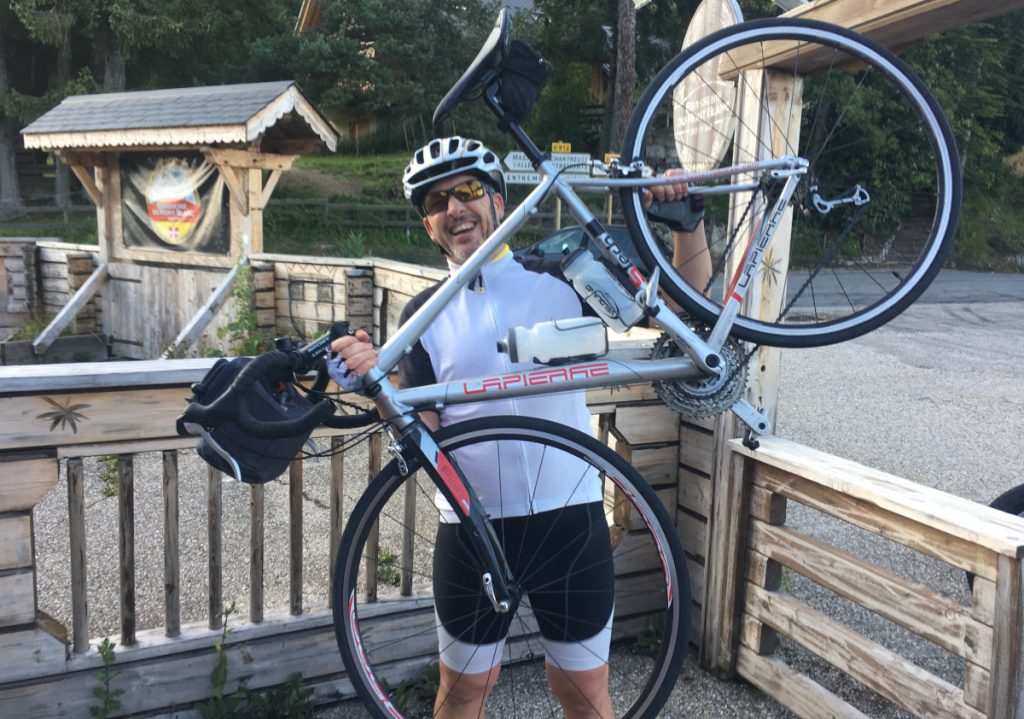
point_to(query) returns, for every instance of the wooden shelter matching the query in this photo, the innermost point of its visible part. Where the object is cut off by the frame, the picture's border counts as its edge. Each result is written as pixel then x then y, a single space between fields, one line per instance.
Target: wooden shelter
pixel 180 178
pixel 242 130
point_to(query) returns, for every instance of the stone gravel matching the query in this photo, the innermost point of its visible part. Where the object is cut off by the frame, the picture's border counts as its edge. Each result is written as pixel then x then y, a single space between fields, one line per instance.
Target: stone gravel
pixel 937 397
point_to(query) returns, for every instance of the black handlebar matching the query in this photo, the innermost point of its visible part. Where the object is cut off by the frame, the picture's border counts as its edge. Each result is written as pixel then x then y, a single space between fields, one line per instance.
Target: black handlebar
pixel 273 367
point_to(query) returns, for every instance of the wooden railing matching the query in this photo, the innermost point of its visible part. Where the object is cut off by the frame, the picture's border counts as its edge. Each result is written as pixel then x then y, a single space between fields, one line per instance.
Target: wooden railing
pixel 985 632
pixel 53 418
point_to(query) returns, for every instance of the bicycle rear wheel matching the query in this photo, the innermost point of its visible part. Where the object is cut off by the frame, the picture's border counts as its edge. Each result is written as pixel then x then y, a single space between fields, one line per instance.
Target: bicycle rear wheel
pixel 383 605
pixel 872 221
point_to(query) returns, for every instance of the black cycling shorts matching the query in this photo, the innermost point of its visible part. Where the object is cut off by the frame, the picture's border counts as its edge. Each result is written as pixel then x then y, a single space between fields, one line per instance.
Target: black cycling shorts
pixel 562 559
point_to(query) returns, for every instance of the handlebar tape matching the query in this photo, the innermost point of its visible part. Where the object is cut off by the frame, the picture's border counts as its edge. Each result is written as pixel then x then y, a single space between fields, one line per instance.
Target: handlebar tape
pixel 228 407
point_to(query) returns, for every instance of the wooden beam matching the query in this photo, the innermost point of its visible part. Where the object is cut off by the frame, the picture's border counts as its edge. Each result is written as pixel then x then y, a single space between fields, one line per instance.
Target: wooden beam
pixel 207 312
pixel 88 183
pixel 899 23
pixel 896 24
pixel 268 189
pixel 96 280
pixel 249 158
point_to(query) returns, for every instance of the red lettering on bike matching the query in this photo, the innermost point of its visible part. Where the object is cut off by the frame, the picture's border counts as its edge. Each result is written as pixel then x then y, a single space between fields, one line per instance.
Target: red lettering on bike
pixel 536 377
pixel 636 277
pixel 453 482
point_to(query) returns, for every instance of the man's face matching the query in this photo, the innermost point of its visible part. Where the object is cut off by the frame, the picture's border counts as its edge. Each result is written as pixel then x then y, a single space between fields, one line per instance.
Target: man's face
pixel 463 226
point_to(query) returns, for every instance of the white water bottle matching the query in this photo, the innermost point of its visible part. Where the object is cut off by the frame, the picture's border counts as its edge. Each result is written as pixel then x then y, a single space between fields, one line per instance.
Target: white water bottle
pixel 595 284
pixel 556 342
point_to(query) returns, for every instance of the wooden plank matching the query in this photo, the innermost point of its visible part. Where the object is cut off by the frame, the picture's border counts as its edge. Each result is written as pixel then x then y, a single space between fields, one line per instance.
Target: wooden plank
pixel 1004 691
pixel 16 542
pixel 407 283
pixel 762 571
pixel 17 598
pixel 303 310
pixel 257 511
pixel 976 684
pixel 337 508
pixel 295 535
pixel 91 418
pixel 647 425
pixel 26 654
pixel 896 24
pixel 983 600
pixel 791 689
pixel 25 480
pixel 998 531
pixel 70 310
pixel 696 450
pixel 126 544
pixel 694 492
pixel 724 567
pixel 657 465
pixel 878 668
pixel 172 545
pixel 867 515
pixel 202 318
pixel 693 535
pixel 76 530
pixel 214 548
pixel 758 637
pixel 928 614
pixel 767 506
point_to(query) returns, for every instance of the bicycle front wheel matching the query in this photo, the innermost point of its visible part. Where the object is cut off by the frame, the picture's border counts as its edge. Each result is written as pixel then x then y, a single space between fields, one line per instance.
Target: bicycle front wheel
pixel 871 222
pixel 384 612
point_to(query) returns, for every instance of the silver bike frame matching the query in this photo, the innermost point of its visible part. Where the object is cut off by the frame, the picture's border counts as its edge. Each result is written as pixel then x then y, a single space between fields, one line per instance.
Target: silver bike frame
pixel 702 356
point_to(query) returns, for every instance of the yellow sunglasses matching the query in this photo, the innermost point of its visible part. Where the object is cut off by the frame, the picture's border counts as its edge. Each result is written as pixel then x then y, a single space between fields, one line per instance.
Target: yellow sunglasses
pixel 466 191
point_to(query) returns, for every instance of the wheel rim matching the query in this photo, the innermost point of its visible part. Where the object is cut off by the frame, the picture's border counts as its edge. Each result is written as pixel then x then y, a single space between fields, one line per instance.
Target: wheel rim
pixel 646 630
pixel 877 265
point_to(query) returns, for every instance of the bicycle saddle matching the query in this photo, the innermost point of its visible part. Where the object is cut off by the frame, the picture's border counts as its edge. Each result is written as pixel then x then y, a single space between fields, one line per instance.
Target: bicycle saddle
pixel 489 59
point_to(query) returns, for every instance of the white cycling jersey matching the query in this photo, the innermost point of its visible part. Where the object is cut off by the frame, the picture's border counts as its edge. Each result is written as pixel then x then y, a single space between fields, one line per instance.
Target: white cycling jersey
pixel 511 478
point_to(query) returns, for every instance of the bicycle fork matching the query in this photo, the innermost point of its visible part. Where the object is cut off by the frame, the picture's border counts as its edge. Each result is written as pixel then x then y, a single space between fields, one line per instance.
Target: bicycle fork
pixel 460 496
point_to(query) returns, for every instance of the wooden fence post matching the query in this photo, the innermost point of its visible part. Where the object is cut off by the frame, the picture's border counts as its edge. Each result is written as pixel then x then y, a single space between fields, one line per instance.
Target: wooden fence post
pixel 29 645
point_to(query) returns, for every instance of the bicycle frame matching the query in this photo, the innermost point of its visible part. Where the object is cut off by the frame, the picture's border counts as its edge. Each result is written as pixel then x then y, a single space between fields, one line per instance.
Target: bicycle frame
pixel 399 405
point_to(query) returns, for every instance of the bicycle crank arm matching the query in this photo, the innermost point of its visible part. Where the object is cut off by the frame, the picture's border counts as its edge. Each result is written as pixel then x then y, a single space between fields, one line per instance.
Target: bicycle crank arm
pixel 704 355
pixel 755 420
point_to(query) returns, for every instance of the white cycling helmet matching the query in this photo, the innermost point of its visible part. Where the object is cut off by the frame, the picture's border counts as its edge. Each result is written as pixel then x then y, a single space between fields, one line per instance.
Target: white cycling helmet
pixel 446 157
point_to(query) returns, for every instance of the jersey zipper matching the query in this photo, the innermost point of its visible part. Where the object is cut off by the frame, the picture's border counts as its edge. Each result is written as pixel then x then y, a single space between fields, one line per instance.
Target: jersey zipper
pixel 507 365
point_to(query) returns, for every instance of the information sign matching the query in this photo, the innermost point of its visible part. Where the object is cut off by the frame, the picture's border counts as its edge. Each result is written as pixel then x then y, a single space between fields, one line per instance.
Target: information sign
pixel 521 172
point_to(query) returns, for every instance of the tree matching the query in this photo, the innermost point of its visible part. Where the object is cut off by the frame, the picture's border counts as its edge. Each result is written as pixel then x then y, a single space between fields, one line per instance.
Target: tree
pixel 11 204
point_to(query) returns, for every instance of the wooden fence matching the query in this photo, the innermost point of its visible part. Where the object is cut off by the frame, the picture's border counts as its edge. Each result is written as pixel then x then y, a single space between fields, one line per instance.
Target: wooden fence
pixel 985 632
pixel 52 420
pixel 728 504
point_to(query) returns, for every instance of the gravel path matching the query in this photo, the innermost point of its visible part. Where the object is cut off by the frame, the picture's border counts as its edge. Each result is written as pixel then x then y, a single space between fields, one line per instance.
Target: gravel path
pixel 937 397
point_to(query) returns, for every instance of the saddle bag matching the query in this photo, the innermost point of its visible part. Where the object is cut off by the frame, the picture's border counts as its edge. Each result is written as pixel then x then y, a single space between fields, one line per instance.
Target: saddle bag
pixel 260 460
pixel 524 74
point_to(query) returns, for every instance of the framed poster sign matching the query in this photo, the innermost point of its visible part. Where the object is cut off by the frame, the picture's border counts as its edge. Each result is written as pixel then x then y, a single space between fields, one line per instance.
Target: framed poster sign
pixel 173 203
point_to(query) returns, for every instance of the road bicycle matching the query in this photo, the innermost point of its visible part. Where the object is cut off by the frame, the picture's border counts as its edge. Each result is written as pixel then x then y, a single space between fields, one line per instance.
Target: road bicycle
pixel 769 120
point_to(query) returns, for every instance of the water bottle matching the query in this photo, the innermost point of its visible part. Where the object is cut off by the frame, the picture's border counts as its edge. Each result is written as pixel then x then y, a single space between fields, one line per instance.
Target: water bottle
pixel 556 342
pixel 595 284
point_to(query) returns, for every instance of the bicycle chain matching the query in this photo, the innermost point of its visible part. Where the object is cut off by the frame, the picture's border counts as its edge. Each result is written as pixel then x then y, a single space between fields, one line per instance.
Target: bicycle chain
pixel 705 396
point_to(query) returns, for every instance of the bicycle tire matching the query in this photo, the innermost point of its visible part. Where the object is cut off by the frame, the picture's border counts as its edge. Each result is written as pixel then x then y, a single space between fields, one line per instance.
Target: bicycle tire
pixel 849 272
pixel 652 591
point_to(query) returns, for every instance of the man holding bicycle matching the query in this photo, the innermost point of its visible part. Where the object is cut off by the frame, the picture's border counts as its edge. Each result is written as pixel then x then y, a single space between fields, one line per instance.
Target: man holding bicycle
pixel 458 187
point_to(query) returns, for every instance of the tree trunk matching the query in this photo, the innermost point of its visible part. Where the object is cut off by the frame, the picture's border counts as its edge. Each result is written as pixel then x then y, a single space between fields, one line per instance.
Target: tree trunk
pixel 113 63
pixel 11 204
pixel 625 72
pixel 62 184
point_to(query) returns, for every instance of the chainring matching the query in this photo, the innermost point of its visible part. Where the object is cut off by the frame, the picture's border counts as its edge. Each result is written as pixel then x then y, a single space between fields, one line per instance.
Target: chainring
pixel 703 397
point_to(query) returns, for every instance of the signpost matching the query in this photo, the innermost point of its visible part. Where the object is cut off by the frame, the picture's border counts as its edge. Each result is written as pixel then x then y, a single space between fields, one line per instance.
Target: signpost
pixel 521 172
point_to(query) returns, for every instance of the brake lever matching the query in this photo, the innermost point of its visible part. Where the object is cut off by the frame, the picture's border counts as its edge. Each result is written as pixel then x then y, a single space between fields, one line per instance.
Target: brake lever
pixel 198 430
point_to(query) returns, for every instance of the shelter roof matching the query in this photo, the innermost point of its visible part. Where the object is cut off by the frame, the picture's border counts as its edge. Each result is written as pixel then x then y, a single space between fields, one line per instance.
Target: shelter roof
pixel 236 115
